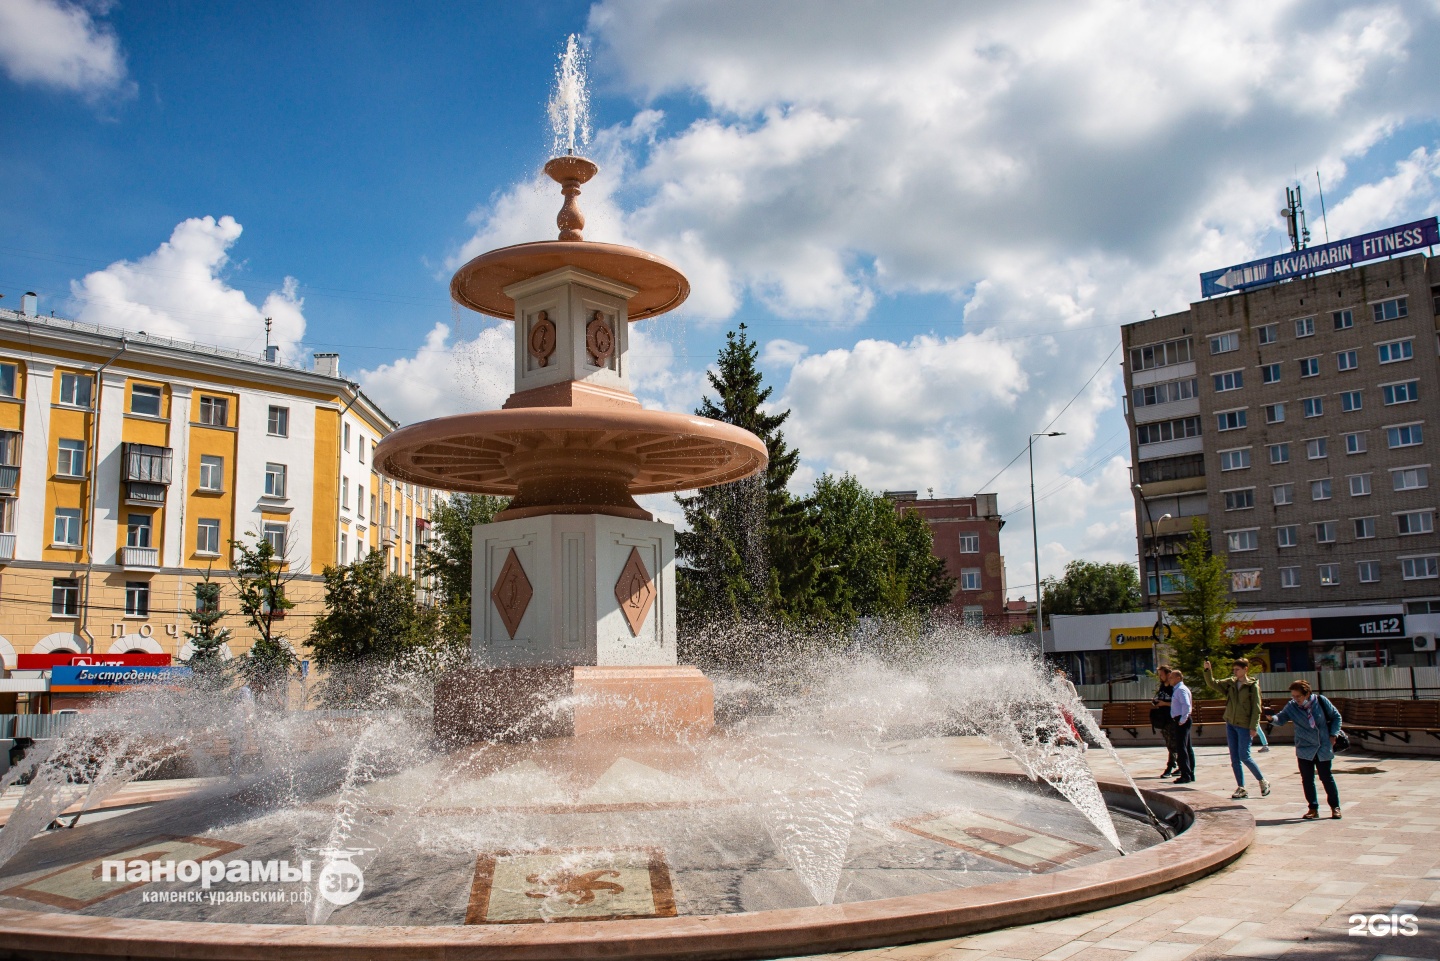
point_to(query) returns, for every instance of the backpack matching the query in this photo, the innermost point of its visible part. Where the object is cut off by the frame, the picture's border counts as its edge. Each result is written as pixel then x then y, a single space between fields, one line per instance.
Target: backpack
pixel 1328 711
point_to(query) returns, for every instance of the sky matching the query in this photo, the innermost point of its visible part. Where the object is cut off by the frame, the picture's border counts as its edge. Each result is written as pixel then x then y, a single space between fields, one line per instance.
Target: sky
pixel 932 217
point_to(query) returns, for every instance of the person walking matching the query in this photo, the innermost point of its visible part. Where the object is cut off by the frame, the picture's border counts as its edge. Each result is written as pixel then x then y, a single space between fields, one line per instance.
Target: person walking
pixel 1242 720
pixel 1181 705
pixel 1160 717
pixel 1317 724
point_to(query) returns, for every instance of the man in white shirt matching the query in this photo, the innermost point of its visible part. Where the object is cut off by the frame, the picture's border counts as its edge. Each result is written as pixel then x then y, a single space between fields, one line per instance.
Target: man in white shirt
pixel 1181 704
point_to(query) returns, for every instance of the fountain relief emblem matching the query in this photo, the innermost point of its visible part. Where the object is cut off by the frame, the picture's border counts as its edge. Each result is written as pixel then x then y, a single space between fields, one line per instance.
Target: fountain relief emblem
pixel 635 590
pixel 542 338
pixel 599 339
pixel 512 593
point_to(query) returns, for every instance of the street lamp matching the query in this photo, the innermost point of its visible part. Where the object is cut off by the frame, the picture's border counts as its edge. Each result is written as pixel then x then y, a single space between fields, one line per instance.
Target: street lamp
pixel 1035 538
pixel 1154 553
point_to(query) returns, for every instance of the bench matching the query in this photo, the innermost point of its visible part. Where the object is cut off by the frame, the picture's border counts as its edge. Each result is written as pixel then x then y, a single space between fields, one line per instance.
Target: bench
pixel 1131 716
pixel 1378 719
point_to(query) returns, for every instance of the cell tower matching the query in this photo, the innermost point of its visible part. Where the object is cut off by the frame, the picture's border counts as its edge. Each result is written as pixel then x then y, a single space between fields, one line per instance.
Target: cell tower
pixel 1293 213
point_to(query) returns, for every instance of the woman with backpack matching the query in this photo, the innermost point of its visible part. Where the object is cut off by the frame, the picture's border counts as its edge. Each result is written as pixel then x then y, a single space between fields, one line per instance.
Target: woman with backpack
pixel 1317 725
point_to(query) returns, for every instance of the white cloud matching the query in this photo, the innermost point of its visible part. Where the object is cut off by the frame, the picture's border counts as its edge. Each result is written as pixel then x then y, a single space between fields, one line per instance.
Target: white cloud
pixel 59 44
pixel 782 353
pixel 178 290
pixel 446 376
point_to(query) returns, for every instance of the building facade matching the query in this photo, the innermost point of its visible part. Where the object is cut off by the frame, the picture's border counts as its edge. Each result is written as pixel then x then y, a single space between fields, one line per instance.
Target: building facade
pixel 1301 422
pixel 128 464
pixel 965 534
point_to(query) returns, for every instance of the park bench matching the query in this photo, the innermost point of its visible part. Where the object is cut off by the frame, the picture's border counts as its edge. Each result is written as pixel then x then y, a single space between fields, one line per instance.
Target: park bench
pixel 1379 719
pixel 1131 716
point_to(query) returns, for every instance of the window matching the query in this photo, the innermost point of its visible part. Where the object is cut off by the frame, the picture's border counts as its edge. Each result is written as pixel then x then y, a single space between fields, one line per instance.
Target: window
pixel 212 473
pixel 1419 568
pixel 1410 478
pixel 372 506
pixel 1274 413
pixel 1359 485
pixel 67 527
pixel 970 579
pixel 1313 406
pixel 1347 360
pixel 1241 500
pixel 8 374
pixel 1287 536
pixel 1310 367
pixel 1224 343
pixel 1305 327
pixel 1416 522
pixel 7 515
pixel 1355 443
pixel 1350 401
pixel 361 451
pixel 344 549
pixel 207 536
pixel 277 424
pixel 1316 448
pixel 1344 319
pixel 1325 532
pixel 145 400
pixel 65 597
pixel 346 435
pixel 1368 572
pixel 1406 435
pixel 1279 453
pixel 274 533
pixel 1235 459
pixel 71 462
pixel 75 389
pixel 1270 374
pixel 1165 393
pixel 1230 380
pixel 1320 490
pixel 137 530
pixel 1241 541
pixel 1245 580
pixel 969 543
pixel 1160 355
pixel 1329 574
pixel 137 599
pixel 1289 577
pixel 214 411
pixel 274 480
pixel 1268 334
pixel 1401 393
pixel 973 616
pixel 1364 528
pixel 1282 494
pixel 360 501
pixel 1230 420
pixel 1391 309
pixel 344 493
pixel 1395 351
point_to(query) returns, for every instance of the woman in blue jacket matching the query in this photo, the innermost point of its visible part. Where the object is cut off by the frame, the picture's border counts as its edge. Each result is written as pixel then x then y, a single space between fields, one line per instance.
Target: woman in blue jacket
pixel 1317 723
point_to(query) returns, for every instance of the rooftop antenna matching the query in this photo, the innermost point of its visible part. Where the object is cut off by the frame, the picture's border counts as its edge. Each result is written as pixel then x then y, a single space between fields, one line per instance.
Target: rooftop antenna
pixel 1323 219
pixel 1294 216
pixel 269 350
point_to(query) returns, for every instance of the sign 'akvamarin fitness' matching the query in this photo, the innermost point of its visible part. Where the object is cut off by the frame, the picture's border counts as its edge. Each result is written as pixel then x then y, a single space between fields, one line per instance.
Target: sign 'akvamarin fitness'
pixel 1341 253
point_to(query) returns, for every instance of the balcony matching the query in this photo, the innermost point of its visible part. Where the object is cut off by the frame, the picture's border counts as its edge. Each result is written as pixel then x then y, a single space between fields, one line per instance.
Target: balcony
pixel 139 557
pixel 388 536
pixel 7 547
pixel 150 495
pixel 144 464
pixel 9 478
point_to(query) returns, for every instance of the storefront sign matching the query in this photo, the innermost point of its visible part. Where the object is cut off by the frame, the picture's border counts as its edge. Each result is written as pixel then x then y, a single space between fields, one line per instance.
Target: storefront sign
pixel 1131 638
pixel 44 662
pixel 1381 628
pixel 1278 631
pixel 85 679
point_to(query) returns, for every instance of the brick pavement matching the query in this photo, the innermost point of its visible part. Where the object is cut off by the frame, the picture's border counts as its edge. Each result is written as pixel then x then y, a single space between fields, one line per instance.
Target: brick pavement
pixel 1290 896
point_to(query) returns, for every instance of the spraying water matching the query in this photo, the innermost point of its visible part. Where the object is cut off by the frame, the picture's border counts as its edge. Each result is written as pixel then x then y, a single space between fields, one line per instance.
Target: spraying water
pixel 569 106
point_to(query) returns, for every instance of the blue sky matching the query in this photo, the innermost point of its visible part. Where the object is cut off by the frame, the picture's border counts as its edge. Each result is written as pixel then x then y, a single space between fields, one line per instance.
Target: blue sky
pixel 933 217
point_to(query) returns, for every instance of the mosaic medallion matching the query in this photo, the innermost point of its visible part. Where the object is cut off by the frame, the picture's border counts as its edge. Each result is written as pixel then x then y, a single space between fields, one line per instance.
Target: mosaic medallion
pixel 512 593
pixel 635 590
pixel 81 885
pixel 579 884
pixel 997 840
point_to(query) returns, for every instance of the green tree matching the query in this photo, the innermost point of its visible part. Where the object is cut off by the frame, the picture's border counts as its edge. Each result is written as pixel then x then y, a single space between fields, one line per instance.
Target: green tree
pixel 1091 588
pixel 207 639
pixel 446 557
pixel 261 576
pixel 1204 626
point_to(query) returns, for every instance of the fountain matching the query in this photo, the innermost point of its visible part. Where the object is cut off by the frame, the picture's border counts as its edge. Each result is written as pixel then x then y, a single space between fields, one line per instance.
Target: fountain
pixel 569 789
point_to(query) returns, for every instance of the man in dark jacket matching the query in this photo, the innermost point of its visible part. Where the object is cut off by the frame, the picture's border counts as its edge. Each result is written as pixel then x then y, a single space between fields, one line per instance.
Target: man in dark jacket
pixel 1160 716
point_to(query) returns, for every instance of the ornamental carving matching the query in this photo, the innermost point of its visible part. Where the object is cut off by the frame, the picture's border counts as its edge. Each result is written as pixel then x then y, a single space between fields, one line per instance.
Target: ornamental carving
pixel 542 339
pixel 635 590
pixel 512 593
pixel 599 339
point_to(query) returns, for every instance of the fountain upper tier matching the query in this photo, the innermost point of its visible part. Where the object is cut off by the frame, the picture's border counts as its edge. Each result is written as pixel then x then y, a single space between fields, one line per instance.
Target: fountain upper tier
pixel 572 439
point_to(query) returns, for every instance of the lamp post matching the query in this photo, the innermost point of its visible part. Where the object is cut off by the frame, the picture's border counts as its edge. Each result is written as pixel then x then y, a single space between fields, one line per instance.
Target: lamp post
pixel 1154 553
pixel 1035 538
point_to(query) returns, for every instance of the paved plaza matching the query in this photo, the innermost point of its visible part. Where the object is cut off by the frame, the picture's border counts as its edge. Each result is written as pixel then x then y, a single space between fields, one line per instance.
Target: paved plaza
pixel 1290 896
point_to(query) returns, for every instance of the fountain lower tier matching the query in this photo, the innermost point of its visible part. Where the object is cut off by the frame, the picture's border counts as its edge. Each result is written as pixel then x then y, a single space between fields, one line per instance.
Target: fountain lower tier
pixel 570 460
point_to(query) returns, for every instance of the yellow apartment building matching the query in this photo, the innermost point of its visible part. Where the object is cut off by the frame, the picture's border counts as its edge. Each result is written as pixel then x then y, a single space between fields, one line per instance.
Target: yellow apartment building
pixel 129 462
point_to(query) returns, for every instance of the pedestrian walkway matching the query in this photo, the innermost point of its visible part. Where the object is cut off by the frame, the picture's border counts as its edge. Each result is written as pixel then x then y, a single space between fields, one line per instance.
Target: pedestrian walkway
pixel 1290 896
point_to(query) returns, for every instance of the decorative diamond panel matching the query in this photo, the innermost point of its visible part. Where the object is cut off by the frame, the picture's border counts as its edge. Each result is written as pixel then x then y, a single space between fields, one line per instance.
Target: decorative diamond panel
pixel 635 590
pixel 512 593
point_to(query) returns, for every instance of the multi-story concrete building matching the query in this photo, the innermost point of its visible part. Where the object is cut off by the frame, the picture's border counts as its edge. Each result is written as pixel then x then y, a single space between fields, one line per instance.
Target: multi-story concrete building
pixel 1301 421
pixel 128 463
pixel 966 536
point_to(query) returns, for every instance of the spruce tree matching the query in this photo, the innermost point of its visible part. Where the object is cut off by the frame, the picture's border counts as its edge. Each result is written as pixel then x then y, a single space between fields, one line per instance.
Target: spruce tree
pixel 207 639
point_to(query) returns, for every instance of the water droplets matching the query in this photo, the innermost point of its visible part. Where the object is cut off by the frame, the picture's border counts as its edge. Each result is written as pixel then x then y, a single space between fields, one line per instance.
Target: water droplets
pixel 569 106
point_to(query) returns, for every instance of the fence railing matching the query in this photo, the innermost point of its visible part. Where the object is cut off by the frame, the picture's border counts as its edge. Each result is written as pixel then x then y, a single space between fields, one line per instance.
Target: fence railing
pixel 1403 683
pixel 35 725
